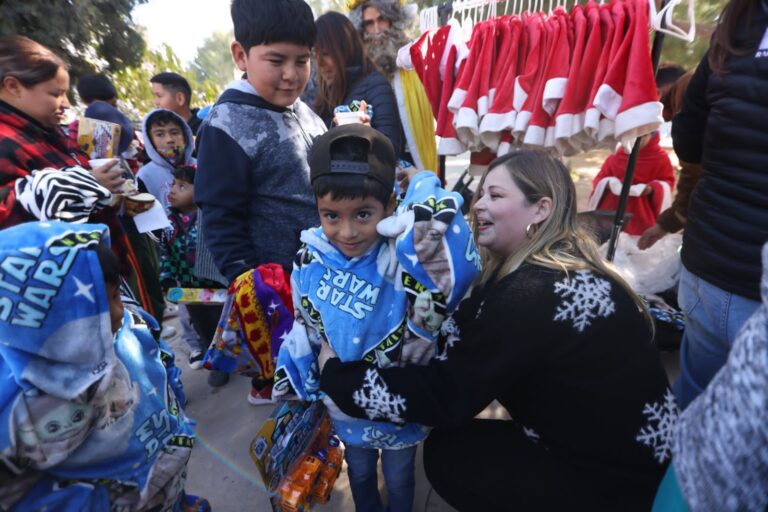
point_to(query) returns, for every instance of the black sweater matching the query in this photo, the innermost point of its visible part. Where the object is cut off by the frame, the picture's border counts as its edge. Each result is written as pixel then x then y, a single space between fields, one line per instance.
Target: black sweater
pixel 723 125
pixel 572 363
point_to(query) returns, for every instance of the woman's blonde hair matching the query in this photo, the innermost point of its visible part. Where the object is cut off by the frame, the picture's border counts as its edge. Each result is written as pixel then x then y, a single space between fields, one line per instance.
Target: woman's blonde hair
pixel 557 242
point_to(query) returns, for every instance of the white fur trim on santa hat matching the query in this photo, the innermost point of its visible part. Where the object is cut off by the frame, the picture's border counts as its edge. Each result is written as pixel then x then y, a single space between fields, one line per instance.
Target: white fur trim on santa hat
pixel 465 123
pixel 638 121
pixel 554 90
pixel 606 130
pixel 450 146
pixel 492 125
pixel 522 121
pixel 404 60
pixel 518 100
pixel 482 106
pixel 496 122
pixel 592 122
pixel 456 100
pixel 608 101
pixel 535 135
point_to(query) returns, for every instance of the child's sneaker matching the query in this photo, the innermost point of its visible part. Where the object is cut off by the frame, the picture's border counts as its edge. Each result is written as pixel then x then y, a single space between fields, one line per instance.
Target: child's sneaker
pixel 196 359
pixel 260 396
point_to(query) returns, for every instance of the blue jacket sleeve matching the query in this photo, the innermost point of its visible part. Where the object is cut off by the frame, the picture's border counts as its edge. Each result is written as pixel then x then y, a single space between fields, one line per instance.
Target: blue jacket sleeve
pixel 222 192
pixel 689 125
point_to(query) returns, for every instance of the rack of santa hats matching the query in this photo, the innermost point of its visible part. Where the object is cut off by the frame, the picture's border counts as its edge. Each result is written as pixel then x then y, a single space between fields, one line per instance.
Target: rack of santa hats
pixel 569 81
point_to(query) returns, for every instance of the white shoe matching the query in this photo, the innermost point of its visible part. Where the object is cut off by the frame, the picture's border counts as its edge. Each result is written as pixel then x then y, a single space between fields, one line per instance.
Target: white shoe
pixel 171 311
pixel 196 359
pixel 168 332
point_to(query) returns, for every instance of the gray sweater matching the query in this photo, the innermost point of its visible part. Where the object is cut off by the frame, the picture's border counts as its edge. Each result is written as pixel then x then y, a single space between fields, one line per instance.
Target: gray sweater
pixel 252 183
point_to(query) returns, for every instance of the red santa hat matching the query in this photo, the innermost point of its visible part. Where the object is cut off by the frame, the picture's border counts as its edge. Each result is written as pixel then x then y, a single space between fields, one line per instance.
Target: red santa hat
pixel 501 114
pixel 611 36
pixel 527 82
pixel 539 119
pixel 569 118
pixel 640 110
pixel 557 72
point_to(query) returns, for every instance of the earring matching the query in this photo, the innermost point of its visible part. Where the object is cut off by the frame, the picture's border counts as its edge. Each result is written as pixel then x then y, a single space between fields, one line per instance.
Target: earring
pixel 530 230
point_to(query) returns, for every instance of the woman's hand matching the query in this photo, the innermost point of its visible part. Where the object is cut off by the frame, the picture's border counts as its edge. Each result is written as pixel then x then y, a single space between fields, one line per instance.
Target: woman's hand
pixel 109 176
pixel 650 236
pixel 326 353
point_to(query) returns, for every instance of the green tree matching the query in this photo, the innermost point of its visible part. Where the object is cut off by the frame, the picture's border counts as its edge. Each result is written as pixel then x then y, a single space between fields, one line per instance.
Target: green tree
pixel 89 34
pixel 213 62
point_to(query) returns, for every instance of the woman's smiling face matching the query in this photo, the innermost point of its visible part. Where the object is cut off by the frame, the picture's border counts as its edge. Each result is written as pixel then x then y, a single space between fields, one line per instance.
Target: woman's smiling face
pixel 502 213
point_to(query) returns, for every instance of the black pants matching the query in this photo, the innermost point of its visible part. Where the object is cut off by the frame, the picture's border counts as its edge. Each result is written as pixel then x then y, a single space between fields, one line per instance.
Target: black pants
pixel 204 319
pixel 491 465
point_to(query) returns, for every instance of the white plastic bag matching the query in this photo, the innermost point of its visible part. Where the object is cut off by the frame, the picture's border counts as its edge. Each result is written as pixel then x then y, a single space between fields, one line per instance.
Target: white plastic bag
pixel 653 270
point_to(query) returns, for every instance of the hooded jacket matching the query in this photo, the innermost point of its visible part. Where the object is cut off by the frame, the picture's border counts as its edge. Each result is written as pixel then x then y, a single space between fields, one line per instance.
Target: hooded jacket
pixel 156 175
pixel 88 420
pixel 252 183
pixel 385 307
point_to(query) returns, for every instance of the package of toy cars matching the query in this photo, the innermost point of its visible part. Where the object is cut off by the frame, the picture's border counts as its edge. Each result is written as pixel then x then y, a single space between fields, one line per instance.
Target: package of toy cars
pixel 298 455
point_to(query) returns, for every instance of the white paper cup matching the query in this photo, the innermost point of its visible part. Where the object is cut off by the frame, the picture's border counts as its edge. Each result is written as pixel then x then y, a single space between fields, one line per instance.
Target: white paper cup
pixel 98 162
pixel 348 118
pixel 142 197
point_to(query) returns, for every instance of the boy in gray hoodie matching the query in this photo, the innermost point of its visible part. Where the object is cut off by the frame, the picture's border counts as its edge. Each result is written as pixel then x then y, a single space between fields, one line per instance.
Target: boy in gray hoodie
pixel 169 144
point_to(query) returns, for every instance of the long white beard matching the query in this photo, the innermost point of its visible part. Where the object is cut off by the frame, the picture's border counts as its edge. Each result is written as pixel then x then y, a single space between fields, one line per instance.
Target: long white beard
pixel 382 49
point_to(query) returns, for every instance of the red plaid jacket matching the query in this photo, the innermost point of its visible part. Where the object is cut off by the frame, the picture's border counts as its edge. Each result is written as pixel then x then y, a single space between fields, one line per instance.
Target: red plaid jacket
pixel 25 146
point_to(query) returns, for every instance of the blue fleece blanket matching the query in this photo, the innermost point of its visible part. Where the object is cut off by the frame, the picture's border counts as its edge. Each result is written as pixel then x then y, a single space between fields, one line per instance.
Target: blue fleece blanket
pixel 385 307
pixel 88 420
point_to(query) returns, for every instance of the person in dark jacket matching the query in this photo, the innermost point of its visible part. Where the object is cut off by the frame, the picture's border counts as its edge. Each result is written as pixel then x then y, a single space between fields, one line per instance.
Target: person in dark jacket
pixel 345 74
pixel 553 334
pixel 723 125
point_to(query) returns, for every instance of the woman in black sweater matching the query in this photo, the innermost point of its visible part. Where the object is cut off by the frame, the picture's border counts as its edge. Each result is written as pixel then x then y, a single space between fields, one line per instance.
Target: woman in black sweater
pixel 345 74
pixel 558 339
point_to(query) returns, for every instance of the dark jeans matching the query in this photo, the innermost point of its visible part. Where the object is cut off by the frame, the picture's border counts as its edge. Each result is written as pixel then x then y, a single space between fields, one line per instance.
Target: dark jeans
pixel 204 320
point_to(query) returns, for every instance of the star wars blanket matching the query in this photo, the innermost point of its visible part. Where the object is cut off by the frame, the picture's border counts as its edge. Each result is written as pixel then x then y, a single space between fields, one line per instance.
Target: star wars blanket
pixel 385 307
pixel 88 420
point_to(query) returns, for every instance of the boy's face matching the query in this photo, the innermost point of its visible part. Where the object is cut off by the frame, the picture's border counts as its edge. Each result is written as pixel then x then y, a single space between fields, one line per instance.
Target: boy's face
pixel 181 195
pixel 115 306
pixel 165 98
pixel 279 71
pixel 350 224
pixel 166 137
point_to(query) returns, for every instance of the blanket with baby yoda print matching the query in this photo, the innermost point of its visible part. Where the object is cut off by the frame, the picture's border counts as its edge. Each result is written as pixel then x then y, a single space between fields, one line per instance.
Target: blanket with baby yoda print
pixel 89 420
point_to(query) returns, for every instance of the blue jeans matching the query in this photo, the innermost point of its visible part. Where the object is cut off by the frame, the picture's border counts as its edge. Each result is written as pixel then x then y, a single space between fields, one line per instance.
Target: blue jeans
pixel 398 467
pixel 713 317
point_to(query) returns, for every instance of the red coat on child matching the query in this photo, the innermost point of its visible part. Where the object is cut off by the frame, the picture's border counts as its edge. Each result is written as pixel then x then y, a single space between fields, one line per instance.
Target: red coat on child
pixel 653 168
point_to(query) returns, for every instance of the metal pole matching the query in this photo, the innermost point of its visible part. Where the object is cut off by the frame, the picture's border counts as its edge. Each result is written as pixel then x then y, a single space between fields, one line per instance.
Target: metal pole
pixel 618 220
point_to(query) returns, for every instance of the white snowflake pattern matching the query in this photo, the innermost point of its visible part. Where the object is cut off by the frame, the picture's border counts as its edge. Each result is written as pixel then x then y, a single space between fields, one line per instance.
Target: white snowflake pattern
pixel 376 400
pixel 584 297
pixel 450 331
pixel 531 434
pixel 662 418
